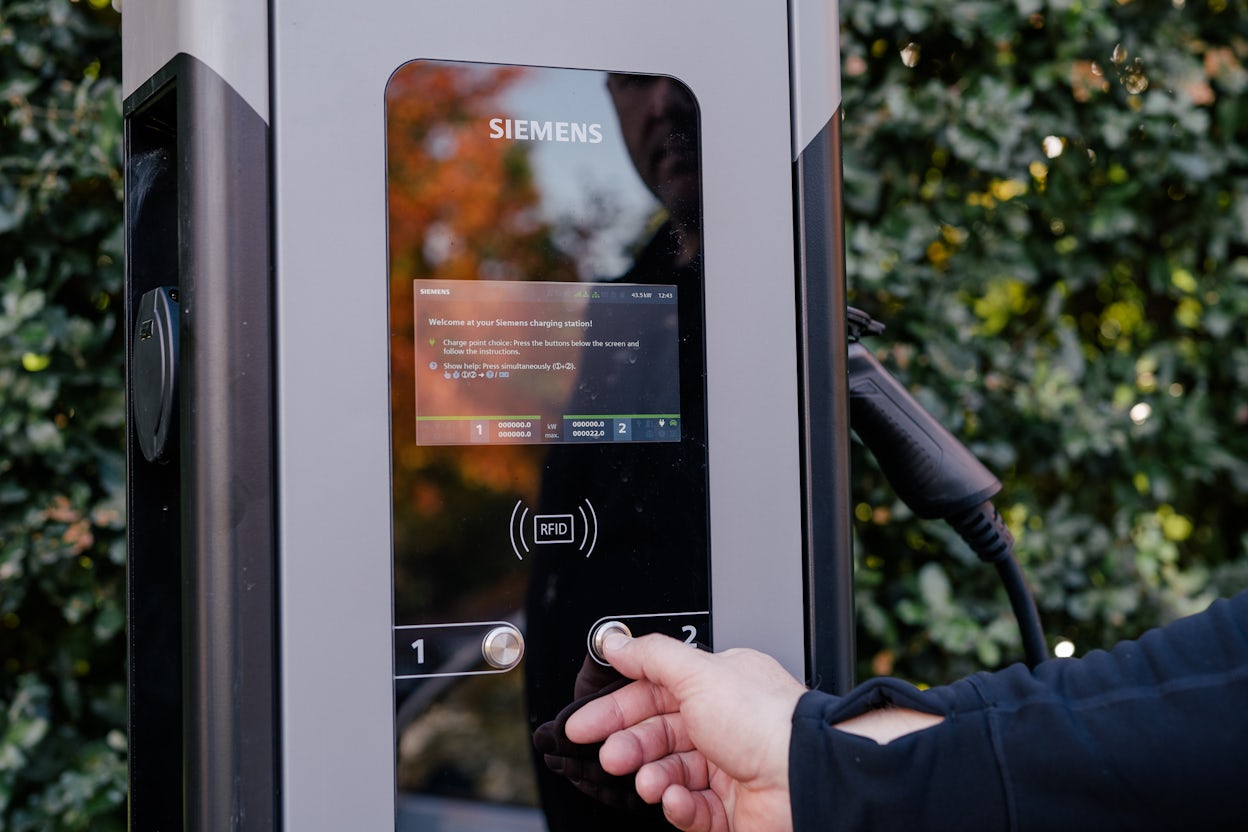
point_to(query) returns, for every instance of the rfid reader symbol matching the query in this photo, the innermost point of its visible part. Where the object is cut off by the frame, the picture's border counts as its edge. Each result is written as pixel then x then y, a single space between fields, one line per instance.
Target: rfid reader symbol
pixel 549 529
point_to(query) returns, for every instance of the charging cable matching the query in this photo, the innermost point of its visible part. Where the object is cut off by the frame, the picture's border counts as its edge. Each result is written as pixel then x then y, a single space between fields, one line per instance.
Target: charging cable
pixel 935 474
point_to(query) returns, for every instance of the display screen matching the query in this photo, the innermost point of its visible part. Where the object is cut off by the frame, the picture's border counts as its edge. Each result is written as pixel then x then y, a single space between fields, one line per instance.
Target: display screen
pixel 541 362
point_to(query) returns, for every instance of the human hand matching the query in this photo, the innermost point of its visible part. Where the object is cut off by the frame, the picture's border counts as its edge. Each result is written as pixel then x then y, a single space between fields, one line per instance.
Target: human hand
pixel 706 733
pixel 578 763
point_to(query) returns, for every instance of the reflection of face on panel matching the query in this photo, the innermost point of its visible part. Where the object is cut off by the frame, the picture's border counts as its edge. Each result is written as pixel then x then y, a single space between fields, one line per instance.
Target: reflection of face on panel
pixel 659 120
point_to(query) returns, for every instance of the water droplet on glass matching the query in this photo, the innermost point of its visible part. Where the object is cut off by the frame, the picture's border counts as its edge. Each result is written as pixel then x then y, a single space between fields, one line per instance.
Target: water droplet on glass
pixel 1120 54
pixel 910 54
pixel 1096 69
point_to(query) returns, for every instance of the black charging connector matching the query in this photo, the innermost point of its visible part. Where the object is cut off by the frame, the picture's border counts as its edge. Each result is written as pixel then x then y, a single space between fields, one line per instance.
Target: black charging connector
pixel 935 474
pixel 986 533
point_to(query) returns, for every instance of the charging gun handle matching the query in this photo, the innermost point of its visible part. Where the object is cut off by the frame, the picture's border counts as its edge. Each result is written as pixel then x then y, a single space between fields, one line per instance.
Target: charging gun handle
pixel 934 474
pixel 931 471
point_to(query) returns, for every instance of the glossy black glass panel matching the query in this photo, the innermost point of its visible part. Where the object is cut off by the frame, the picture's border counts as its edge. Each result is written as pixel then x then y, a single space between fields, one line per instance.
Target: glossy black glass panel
pixel 548 415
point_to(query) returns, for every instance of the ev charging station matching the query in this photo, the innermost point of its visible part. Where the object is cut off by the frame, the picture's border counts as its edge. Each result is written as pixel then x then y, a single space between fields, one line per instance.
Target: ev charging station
pixel 459 335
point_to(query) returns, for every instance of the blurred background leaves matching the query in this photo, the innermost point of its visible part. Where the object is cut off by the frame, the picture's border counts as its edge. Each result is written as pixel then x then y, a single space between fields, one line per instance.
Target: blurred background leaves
pixel 62 478
pixel 1048 207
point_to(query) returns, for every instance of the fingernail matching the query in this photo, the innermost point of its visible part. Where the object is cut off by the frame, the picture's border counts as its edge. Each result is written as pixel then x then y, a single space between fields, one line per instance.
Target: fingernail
pixel 614 641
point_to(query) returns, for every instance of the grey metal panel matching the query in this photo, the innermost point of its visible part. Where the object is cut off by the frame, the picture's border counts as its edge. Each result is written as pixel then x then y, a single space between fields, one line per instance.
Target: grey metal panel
pixel 816 90
pixel 825 414
pixel 228 545
pixel 229 36
pixel 330 74
pixel 215 149
pixel 815 33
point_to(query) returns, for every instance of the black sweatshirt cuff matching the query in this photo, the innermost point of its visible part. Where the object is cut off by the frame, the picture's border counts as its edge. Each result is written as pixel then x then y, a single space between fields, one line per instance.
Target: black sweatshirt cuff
pixel 943 777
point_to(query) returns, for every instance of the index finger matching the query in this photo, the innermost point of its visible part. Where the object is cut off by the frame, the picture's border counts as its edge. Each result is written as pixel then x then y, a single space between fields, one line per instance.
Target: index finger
pixel 660 659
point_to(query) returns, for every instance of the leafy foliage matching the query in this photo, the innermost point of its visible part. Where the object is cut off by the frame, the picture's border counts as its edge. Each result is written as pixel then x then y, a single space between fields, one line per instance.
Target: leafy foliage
pixel 62 547
pixel 1048 206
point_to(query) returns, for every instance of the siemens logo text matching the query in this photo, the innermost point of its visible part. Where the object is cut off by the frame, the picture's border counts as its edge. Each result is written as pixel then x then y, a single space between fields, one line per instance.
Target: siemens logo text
pixel 545 131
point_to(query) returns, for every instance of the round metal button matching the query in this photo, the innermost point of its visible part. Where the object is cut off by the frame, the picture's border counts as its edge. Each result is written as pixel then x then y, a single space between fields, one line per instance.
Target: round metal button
pixel 503 647
pixel 600 633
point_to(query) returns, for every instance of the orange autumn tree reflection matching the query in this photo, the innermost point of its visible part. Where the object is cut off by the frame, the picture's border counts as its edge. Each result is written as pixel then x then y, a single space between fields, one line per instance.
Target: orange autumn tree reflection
pixel 461 207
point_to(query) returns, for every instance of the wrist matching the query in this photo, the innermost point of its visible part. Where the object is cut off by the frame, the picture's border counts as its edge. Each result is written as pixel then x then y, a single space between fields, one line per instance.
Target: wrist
pixel 884 725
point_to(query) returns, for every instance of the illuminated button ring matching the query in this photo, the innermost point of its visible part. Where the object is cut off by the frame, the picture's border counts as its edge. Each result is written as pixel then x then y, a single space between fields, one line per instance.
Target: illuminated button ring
pixel 599 636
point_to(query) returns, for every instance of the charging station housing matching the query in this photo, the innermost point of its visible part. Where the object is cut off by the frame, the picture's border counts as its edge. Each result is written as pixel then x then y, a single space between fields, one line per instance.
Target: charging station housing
pixel 335 531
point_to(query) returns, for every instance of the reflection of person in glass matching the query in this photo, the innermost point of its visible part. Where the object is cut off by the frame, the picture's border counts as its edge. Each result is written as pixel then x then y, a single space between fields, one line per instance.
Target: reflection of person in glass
pixel 649 496
pixel 659 121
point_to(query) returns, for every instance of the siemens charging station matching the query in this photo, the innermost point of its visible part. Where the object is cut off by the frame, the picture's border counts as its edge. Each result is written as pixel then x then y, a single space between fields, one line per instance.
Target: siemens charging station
pixel 459 336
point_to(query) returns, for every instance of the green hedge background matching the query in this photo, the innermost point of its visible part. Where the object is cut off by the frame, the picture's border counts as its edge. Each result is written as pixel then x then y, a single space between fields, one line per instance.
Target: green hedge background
pixel 62 474
pixel 1047 205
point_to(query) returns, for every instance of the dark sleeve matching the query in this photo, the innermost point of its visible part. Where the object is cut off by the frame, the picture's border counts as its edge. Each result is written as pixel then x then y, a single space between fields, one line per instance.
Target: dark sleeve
pixel 1150 735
